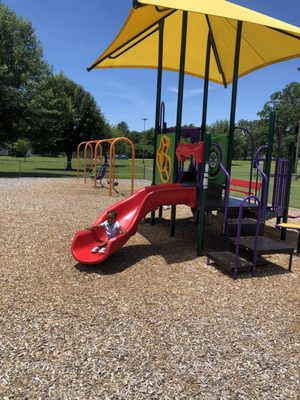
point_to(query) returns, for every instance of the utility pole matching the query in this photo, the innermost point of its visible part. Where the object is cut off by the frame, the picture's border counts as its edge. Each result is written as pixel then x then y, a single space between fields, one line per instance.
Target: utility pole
pixel 144 119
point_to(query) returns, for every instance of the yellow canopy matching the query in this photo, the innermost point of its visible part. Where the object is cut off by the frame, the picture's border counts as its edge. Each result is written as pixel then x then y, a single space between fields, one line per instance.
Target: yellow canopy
pixel 264 41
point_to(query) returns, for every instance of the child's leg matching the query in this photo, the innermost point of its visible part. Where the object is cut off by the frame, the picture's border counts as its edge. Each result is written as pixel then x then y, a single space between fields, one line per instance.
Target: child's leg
pixel 100 246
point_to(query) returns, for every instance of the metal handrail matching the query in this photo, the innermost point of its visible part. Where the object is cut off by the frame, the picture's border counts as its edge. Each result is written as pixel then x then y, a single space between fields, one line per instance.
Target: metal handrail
pixel 264 199
pixel 237 243
pixel 252 154
pixel 227 187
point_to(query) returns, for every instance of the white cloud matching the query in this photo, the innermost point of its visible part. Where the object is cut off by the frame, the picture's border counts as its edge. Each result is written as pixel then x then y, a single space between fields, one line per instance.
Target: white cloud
pixel 189 92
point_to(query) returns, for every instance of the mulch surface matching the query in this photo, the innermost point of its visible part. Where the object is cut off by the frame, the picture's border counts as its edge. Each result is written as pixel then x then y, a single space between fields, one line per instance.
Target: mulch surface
pixel 152 322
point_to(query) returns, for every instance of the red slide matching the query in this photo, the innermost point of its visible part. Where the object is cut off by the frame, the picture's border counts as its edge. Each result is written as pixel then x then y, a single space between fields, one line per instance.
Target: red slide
pixel 130 212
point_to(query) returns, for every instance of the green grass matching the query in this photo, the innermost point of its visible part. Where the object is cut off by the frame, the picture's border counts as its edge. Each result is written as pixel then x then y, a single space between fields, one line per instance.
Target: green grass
pixel 34 166
pixel 241 169
pixel 56 167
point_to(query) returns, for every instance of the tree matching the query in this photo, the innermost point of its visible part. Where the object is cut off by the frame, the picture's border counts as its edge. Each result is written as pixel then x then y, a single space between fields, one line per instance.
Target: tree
pixel 258 130
pixel 148 143
pixel 21 68
pixel 64 115
pixel 240 145
pixel 219 127
pixel 19 148
pixel 286 103
pixel 123 128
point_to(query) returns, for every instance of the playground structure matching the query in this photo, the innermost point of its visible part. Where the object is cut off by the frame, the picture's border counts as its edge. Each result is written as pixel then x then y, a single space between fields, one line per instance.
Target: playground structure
pixel 208 176
pixel 244 218
pixel 99 172
pixel 247 231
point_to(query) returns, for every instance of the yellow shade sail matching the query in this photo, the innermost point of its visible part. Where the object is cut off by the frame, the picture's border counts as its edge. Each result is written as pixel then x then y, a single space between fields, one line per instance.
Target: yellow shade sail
pixel 264 40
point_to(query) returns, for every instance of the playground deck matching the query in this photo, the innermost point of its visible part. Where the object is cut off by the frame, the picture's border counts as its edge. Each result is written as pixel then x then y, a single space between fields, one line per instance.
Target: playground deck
pixel 215 204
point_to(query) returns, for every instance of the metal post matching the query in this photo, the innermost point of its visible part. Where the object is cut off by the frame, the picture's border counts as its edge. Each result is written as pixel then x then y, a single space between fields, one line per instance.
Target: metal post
pixel 203 192
pixel 234 94
pixel 158 101
pixel 206 83
pixel 144 119
pixel 158 93
pixel 267 164
pixel 297 150
pixel 288 191
pixel 271 132
pixel 179 107
pixel 180 86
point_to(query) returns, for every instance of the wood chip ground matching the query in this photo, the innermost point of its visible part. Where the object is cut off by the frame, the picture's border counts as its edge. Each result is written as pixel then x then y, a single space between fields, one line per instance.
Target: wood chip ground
pixel 153 322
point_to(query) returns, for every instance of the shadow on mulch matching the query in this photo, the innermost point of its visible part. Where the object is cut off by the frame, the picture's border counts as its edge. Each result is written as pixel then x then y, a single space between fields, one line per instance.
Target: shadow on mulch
pixel 116 263
pixel 130 255
pixel 179 249
pixel 264 270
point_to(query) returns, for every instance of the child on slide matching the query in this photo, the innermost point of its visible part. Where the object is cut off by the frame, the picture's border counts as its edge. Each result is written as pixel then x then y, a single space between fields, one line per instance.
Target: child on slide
pixel 112 228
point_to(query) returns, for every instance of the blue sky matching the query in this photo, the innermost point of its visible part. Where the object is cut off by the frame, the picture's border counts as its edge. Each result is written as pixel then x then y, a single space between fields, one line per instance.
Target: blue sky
pixel 74 33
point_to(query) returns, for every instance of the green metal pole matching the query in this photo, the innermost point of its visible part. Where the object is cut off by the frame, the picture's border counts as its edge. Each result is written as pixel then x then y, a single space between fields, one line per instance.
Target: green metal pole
pixel 234 94
pixel 206 83
pixel 180 87
pixel 288 192
pixel 271 134
pixel 297 150
pixel 203 192
pixel 267 165
pixel 179 107
pixel 158 93
pixel 158 101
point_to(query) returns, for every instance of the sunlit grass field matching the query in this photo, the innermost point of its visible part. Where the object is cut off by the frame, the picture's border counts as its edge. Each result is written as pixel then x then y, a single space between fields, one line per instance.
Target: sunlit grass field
pixel 56 167
pixel 241 170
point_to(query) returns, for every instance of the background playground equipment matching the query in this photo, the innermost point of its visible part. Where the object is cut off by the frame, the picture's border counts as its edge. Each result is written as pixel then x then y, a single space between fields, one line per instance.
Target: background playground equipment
pixel 90 145
pixel 100 174
pixel 98 171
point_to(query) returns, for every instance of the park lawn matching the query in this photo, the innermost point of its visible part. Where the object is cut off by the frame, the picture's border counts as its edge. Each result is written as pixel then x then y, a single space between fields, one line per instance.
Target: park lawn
pixel 56 167
pixel 34 166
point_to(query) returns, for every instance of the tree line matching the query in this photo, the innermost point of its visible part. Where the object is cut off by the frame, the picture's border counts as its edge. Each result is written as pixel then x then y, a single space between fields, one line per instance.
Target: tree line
pixel 51 114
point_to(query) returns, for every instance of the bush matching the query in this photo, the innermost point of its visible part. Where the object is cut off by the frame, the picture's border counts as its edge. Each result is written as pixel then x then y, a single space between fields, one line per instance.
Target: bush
pixel 19 148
